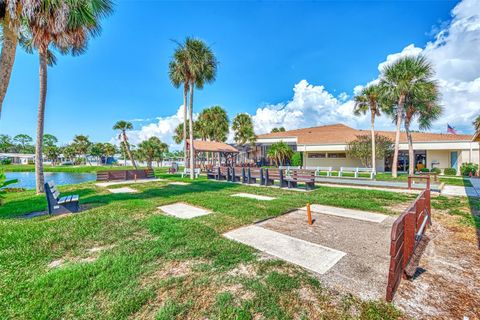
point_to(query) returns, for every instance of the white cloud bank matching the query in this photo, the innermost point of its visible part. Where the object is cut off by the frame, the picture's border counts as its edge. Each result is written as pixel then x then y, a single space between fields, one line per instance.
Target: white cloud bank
pixel 454 53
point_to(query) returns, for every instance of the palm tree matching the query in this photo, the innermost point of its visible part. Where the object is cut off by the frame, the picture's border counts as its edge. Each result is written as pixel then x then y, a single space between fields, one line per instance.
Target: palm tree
pixel 476 123
pixel 214 123
pixel 70 36
pixel 369 100
pixel 242 126
pixel 202 68
pixel 178 70
pixel 280 152
pixel 398 81
pixel 123 127
pixel 421 104
pixel 81 143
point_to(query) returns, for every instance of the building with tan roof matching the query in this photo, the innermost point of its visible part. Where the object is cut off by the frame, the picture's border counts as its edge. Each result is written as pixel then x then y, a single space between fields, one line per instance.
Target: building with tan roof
pixel 326 146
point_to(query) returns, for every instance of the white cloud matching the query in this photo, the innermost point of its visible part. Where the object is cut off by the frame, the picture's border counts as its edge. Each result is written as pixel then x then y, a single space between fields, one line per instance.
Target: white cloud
pixel 164 129
pixel 454 53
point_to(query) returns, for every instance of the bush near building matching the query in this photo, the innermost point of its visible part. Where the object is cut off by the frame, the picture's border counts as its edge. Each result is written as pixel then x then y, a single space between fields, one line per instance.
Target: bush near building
pixel 468 169
pixel 450 171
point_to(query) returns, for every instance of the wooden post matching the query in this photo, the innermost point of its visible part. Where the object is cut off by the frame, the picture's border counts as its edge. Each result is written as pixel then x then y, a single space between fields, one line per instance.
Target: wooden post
pixel 309 214
pixel 409 236
pixel 409 182
pixel 135 176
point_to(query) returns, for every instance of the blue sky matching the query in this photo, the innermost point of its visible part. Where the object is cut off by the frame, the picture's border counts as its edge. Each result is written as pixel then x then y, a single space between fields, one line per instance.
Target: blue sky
pixel 264 49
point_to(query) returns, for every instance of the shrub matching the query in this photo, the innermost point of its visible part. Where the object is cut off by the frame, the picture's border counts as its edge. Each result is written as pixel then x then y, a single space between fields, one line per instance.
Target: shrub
pixel 424 170
pixel 436 170
pixel 6 161
pixel 297 159
pixel 468 168
pixel 450 171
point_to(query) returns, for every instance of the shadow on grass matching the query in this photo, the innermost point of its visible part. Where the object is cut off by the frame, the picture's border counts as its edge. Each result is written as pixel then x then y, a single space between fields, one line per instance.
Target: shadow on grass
pixel 22 207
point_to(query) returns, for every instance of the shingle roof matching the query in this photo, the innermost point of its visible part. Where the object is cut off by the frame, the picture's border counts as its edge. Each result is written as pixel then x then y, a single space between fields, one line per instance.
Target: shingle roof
pixel 212 146
pixel 340 133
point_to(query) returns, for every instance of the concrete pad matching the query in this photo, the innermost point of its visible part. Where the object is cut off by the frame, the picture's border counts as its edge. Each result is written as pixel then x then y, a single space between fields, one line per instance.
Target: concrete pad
pixel 183 210
pixel 123 190
pixel 179 183
pixel 306 254
pixel 347 213
pixel 253 196
pixel 114 183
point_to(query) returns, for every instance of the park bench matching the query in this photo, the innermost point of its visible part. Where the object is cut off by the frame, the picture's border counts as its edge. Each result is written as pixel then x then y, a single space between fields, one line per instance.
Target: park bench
pixel 57 204
pixel 305 176
pixel 255 175
pixel 113 175
pixel 356 171
pixel 186 172
pixel 224 173
pixel 238 174
pixel 318 170
pixel 275 174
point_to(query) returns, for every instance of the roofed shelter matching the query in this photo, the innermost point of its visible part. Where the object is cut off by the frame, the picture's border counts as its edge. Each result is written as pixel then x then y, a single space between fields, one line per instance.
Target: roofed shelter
pixel 212 153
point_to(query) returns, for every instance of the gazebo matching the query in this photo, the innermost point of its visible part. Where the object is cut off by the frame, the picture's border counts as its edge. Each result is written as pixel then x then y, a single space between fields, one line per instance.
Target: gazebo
pixel 211 153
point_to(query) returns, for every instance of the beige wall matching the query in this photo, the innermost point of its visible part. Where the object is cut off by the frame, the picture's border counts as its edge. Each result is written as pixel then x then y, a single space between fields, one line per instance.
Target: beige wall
pixel 444 156
pixel 336 163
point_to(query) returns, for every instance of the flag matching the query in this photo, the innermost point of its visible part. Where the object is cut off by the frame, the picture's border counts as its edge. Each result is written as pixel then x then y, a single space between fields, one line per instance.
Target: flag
pixel 451 129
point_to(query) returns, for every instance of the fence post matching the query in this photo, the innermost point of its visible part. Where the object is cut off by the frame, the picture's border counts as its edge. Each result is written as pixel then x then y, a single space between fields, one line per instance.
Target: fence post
pixel 409 236
pixel 409 182
pixel 428 182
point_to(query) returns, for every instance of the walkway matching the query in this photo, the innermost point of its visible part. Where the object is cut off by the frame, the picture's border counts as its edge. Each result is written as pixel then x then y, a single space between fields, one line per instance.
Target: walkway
pixel 387 184
pixel 460 191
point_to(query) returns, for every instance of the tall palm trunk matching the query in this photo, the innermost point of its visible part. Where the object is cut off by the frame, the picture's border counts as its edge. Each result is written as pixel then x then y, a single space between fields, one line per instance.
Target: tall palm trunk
pixel 374 153
pixel 40 179
pixel 7 58
pixel 127 147
pixel 185 92
pixel 411 155
pixel 192 156
pixel 401 101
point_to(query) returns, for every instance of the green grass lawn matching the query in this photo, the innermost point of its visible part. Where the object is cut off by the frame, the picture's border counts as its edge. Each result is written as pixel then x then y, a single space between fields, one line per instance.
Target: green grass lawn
pixel 123 259
pixel 450 180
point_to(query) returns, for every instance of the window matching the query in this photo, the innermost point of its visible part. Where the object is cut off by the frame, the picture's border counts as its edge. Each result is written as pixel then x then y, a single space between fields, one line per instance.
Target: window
pixel 317 155
pixel 339 155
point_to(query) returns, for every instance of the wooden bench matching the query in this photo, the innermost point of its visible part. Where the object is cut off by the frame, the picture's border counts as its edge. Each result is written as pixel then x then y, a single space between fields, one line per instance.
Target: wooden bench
pixel 238 174
pixel 275 174
pixel 318 170
pixel 57 204
pixel 224 173
pixel 186 172
pixel 109 175
pixel 255 175
pixel 305 176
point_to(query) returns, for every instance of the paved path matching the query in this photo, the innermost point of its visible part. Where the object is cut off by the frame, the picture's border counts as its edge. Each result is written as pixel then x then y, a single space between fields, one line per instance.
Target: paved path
pixel 460 191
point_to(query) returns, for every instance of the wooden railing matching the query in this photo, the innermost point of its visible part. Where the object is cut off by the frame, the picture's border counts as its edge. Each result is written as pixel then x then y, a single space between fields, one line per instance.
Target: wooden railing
pixel 407 231
pixel 411 179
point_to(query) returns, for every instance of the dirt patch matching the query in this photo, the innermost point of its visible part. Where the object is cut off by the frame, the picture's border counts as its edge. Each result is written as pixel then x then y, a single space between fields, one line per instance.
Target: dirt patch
pixel 242 270
pixel 92 254
pixel 448 285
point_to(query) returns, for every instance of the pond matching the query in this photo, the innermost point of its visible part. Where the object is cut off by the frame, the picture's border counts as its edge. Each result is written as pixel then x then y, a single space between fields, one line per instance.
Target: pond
pixel 27 179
